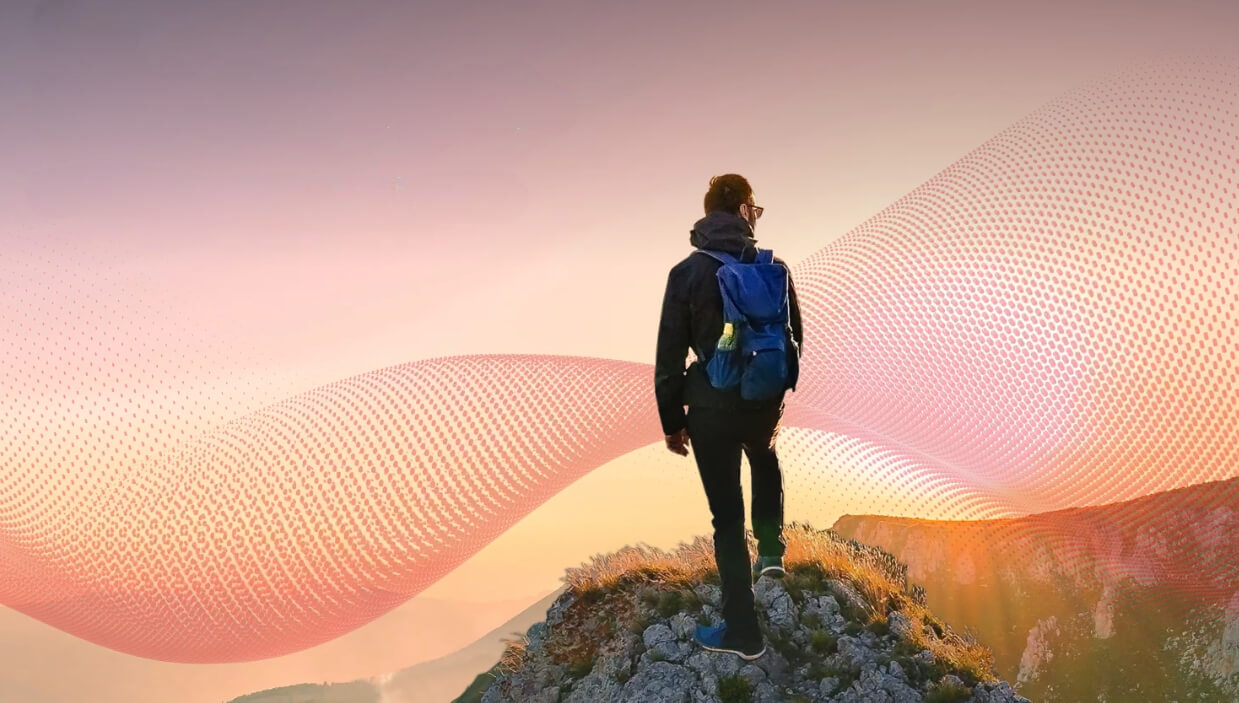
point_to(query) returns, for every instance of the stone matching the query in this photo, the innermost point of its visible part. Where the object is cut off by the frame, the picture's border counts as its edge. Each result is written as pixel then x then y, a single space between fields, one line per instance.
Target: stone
pixel 593 687
pixel 660 682
pixel 725 664
pixel 700 663
pixel 765 692
pixel 854 653
pixel 897 671
pixel 951 680
pixel 774 664
pixel 828 686
pixel 555 614
pixel 683 625
pixel 615 656
pixel 709 594
pixel 845 593
pixel 753 673
pixel 656 633
pixel 900 624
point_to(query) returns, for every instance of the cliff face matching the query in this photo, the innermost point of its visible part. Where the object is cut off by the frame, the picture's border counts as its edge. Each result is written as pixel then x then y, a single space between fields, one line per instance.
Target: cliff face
pixel 828 639
pixel 1139 598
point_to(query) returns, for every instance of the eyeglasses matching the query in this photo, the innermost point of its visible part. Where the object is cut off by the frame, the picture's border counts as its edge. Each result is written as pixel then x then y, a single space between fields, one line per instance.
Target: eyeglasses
pixel 757 210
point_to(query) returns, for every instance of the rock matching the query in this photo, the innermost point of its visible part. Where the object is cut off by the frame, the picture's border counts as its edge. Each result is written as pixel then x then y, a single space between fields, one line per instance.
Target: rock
pixel 1226 659
pixel 656 633
pixel 555 614
pixel 900 625
pixel 713 614
pixel 765 692
pixel 592 688
pixel 548 675
pixel 699 662
pixel 709 684
pixel 1038 650
pixel 753 673
pixel 897 671
pixel 823 608
pixel 725 664
pixel 837 623
pixel 848 595
pixel 770 596
pixel 662 664
pixel 801 637
pixel 493 694
pixel 709 594
pixel 660 682
pixel 774 664
pixel 661 645
pixel 875 685
pixel 1000 692
pixel 699 696
pixel 534 636
pixel 951 680
pixel 854 653
pixel 828 685
pixel 615 656
pixel 683 625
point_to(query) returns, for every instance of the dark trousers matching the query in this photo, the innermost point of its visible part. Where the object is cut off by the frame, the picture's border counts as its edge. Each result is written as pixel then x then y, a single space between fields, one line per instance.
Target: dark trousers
pixel 717 436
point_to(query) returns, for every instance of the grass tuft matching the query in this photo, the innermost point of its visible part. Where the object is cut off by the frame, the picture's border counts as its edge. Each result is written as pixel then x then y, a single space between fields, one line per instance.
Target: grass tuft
pixel 735 689
pixel 948 693
pixel 513 657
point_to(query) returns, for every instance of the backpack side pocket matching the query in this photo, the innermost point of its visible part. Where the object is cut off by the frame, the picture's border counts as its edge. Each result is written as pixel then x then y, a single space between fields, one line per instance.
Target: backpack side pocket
pixel 723 368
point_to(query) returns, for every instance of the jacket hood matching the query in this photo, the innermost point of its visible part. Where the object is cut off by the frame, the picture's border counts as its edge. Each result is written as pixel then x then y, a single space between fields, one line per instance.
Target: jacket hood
pixel 722 231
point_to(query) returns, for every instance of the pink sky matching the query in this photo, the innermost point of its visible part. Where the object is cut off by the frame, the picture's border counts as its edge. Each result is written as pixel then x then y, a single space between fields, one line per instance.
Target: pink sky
pixel 318 192
pixel 303 185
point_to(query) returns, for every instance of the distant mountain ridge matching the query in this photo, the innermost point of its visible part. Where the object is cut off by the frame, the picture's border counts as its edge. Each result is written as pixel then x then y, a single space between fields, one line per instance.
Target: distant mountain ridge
pixel 433 681
pixel 1138 598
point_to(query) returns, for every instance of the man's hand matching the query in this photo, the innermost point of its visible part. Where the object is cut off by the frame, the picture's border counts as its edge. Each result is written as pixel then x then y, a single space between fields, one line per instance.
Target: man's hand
pixel 678 442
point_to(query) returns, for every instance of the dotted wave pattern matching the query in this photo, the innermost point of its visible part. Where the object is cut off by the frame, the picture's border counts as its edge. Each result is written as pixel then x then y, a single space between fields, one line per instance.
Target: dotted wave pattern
pixel 1048 322
pixel 1057 306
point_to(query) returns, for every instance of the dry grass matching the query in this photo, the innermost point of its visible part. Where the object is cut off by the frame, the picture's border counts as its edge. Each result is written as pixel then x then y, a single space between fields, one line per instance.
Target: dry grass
pixel 689 563
pixel 811 557
pixel 874 571
pixel 513 657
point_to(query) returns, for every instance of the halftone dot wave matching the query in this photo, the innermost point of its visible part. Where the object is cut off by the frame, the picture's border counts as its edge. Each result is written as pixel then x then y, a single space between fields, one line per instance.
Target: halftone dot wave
pixel 1181 545
pixel 1048 322
pixel 1048 308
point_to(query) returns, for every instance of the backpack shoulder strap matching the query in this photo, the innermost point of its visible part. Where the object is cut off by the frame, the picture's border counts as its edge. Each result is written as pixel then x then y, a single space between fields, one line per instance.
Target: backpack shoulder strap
pixel 722 256
pixel 764 256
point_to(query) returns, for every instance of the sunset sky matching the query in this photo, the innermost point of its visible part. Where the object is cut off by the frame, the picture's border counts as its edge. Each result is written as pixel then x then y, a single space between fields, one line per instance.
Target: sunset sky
pixel 302 192
pixel 340 187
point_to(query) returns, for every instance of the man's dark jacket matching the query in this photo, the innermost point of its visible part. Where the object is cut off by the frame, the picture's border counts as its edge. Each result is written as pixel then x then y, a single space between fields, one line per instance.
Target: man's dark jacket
pixel 692 316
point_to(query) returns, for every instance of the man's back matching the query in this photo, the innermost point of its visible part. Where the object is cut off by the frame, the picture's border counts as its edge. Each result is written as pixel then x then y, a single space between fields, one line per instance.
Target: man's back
pixel 692 317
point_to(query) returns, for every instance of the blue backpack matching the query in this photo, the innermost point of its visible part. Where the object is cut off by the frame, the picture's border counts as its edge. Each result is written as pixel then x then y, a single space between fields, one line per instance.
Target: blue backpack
pixel 752 350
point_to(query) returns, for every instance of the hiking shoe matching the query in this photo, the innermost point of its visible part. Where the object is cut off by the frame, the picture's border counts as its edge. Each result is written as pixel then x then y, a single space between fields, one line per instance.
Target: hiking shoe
pixel 770 566
pixel 716 639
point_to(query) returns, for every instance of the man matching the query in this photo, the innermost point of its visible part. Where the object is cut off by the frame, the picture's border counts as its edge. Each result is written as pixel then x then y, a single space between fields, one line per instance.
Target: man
pixel 719 424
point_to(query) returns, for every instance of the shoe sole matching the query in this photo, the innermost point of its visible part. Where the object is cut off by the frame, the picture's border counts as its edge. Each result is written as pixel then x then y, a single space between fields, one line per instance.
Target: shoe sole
pixel 774 571
pixel 742 655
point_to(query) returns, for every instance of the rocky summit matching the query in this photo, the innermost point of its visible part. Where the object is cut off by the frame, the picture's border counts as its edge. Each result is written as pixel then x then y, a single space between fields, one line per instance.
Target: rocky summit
pixel 843 625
